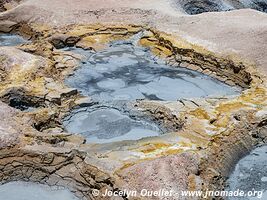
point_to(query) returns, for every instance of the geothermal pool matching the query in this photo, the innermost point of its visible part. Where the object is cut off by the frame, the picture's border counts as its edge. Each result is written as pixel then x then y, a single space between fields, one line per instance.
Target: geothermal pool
pixel 250 174
pixel 33 191
pixel 11 40
pixel 125 71
pixel 105 125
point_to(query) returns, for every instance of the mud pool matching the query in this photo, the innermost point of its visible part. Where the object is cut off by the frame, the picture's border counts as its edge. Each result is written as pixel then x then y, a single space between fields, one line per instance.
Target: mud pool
pixel 105 125
pixel 32 191
pixel 11 40
pixel 126 71
pixel 250 174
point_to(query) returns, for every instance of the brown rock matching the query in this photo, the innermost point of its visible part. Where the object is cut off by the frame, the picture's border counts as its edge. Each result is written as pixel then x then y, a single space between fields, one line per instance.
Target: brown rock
pixel 58 40
pixel 7 26
pixel 67 92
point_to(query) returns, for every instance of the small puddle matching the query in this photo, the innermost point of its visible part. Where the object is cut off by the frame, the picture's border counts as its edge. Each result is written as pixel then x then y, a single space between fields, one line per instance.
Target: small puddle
pixel 32 191
pixel 11 40
pixel 250 174
pixel 105 125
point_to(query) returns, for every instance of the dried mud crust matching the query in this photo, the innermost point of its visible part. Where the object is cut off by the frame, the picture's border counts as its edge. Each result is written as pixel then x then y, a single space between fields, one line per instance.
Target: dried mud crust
pixel 212 133
pixel 66 169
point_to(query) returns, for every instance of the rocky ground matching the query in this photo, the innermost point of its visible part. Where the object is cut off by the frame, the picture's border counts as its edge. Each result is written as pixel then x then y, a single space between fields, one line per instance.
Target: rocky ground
pixel 199 6
pixel 209 134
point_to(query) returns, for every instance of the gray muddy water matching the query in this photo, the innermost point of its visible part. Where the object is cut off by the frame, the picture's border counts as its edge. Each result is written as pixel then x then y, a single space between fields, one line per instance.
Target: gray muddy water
pixel 33 191
pixel 125 71
pixel 11 40
pixel 250 175
pixel 105 125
